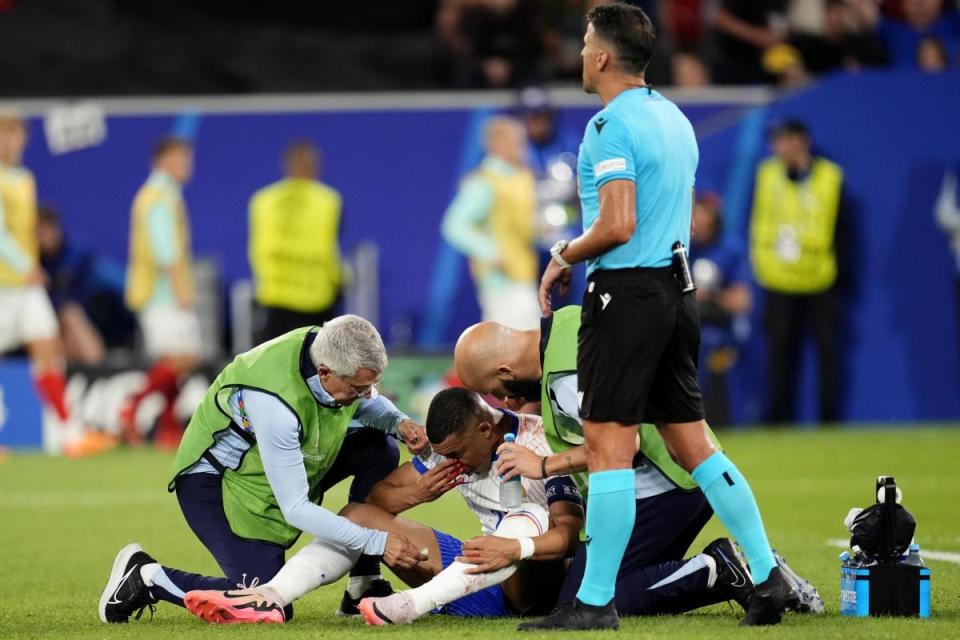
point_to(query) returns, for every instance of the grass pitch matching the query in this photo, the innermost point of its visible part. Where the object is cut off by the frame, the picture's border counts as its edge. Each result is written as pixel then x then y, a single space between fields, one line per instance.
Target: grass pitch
pixel 62 521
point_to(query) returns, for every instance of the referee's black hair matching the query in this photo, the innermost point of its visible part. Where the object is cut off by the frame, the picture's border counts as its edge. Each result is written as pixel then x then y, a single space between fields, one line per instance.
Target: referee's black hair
pixel 451 412
pixel 629 30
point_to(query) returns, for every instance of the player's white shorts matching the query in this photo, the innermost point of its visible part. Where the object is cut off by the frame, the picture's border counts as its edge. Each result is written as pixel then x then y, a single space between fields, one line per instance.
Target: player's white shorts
pixel 515 305
pixel 26 315
pixel 169 330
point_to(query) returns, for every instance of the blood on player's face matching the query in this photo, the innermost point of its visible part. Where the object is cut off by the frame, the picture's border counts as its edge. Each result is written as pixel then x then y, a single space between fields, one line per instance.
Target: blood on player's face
pixel 472 446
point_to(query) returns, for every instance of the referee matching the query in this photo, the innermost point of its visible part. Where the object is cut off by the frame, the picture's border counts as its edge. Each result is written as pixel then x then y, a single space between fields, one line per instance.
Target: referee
pixel 640 333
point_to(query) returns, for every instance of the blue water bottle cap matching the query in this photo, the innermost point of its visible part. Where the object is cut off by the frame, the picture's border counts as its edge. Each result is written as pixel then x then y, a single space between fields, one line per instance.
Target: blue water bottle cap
pixel 914 547
pixel 509 438
pixel 844 556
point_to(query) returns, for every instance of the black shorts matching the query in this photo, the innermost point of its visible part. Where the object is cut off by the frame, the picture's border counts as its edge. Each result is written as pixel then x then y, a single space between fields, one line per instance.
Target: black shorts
pixel 638 349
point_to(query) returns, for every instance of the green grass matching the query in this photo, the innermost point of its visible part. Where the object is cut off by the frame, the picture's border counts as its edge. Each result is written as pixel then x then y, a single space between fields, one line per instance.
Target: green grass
pixel 62 521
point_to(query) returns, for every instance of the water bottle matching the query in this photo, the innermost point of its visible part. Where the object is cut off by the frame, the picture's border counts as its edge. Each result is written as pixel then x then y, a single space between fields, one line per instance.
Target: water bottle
pixel 913 556
pixel 511 491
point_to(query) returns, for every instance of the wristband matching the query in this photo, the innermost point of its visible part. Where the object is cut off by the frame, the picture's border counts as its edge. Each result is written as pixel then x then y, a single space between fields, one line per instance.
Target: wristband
pixel 543 467
pixel 527 547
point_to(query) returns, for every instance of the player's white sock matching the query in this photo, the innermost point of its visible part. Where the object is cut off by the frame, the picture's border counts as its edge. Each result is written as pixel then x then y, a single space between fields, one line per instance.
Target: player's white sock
pixel 526 521
pixel 315 565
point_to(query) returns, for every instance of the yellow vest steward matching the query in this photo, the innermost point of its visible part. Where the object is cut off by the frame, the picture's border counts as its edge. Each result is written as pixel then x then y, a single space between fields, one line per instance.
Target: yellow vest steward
pixel 294 255
pixel 793 226
pixel 19 194
pixel 512 225
pixel 143 270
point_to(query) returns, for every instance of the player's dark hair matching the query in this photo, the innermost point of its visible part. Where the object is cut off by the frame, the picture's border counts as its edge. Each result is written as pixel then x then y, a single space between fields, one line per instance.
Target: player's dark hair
pixel 168 143
pixel 451 412
pixel 629 30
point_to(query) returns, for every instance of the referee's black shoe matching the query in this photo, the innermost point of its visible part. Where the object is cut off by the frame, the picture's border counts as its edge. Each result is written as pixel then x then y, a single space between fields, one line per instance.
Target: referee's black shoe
pixel 576 616
pixel 733 578
pixel 770 599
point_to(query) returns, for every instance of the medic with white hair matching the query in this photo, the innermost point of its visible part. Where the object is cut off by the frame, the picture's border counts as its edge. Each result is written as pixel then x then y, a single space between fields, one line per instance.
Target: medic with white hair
pixel 279 426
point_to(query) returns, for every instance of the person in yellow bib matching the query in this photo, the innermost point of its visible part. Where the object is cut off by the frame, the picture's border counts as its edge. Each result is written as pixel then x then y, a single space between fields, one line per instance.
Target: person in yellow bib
pixel 294 246
pixel 492 221
pixel 796 208
pixel 160 286
pixel 26 316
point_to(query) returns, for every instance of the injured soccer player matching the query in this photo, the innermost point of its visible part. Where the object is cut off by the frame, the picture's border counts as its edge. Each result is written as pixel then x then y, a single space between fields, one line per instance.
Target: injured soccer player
pixel 515 568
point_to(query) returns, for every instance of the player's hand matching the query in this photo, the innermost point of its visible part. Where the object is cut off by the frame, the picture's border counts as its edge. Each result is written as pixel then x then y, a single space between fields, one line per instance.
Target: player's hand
pixel 437 481
pixel 516 460
pixel 400 552
pixel 414 436
pixel 553 276
pixel 489 553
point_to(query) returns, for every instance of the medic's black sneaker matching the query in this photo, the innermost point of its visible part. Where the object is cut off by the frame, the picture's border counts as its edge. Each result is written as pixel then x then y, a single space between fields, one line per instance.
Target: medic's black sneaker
pixel 125 592
pixel 733 578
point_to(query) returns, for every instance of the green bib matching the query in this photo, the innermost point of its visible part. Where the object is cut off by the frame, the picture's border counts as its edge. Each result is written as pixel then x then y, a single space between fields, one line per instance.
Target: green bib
pixel 564 432
pixel 274 368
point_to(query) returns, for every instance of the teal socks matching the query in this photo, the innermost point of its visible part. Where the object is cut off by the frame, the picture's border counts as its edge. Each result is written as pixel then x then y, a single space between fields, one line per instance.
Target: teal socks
pixel 611 511
pixel 732 500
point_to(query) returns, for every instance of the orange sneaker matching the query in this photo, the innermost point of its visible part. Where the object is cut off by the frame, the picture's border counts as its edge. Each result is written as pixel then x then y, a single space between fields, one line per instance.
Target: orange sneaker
pixel 90 443
pixel 249 606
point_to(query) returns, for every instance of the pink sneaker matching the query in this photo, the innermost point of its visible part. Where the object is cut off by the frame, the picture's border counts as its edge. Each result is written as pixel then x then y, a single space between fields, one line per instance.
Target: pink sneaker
pixel 395 609
pixel 249 606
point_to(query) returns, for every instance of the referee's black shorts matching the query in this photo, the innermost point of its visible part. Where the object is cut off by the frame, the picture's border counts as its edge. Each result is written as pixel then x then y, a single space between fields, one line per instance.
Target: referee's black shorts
pixel 638 348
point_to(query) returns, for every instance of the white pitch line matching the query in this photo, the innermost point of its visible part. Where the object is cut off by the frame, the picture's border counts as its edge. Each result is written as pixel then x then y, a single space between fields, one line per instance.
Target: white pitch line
pixel 926 554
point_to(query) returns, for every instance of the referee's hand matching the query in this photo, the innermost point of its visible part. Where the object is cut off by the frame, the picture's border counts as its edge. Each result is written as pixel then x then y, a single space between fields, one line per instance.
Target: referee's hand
pixel 554 275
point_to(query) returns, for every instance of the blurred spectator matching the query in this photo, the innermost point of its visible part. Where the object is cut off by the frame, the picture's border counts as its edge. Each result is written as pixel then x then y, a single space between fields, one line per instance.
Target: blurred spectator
pixel 796 207
pixel 688 70
pixel 563 38
pixel 492 221
pixel 27 318
pixel 932 56
pixel 491 43
pixel 742 30
pixel 294 246
pixel 553 160
pixel 160 286
pixel 923 19
pixel 723 291
pixel 71 285
pixel 844 40
pixel 784 64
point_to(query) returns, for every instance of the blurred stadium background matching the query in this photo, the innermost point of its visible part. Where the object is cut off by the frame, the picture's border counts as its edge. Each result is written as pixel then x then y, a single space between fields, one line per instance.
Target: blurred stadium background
pixel 396 95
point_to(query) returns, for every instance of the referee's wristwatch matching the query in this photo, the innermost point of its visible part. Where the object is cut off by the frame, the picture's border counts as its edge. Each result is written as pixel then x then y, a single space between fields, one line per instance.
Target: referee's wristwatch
pixel 557 249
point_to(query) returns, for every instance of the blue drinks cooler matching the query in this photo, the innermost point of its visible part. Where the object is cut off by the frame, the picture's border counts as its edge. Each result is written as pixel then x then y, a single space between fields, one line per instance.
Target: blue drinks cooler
pixel 891 589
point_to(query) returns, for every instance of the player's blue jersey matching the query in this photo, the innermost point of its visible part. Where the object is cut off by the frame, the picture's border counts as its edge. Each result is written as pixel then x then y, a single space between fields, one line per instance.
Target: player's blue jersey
pixel 641 136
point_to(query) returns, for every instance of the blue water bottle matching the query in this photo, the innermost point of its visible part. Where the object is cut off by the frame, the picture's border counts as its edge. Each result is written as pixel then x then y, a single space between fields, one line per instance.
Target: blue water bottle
pixel 511 491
